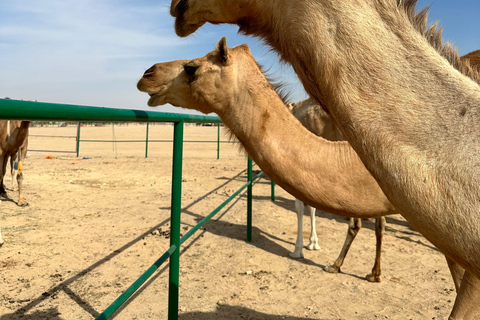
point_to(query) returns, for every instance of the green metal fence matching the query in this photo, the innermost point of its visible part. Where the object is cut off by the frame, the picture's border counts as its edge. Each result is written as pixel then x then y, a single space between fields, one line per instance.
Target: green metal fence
pixel 147 140
pixel 27 110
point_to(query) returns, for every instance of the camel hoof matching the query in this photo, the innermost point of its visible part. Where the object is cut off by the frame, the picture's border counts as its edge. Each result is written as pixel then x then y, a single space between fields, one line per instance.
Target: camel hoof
pixel 372 278
pixel 22 203
pixel 332 269
pixel 313 247
pixel 1 242
pixel 296 255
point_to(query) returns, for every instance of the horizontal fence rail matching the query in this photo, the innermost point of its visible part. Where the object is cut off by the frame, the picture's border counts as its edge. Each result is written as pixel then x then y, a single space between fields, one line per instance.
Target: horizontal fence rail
pixel 30 110
pixel 27 110
pixel 54 137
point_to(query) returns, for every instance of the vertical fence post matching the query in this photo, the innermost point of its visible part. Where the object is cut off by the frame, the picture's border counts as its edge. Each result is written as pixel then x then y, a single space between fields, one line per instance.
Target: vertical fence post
pixel 78 138
pixel 175 220
pixel 146 142
pixel 272 191
pixel 218 141
pixel 249 200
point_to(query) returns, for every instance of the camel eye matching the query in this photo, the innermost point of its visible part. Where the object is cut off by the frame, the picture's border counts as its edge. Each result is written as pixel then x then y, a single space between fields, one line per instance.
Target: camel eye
pixel 190 70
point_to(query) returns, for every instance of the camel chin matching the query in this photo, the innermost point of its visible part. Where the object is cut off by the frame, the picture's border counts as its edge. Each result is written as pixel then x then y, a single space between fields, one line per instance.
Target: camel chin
pixel 183 29
pixel 156 100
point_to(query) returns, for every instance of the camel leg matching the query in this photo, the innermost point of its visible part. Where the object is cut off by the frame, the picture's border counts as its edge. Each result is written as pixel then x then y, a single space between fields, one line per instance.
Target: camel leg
pixel 13 170
pixel 457 273
pixel 3 169
pixel 354 226
pixel 467 306
pixel 298 253
pixel 379 231
pixel 21 200
pixel 313 245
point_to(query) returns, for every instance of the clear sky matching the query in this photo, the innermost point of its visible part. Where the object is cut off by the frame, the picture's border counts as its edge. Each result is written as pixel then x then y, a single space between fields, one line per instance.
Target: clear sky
pixel 92 52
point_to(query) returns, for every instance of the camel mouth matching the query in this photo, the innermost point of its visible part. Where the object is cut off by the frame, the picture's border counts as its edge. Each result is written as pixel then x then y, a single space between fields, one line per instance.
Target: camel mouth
pixel 156 94
pixel 184 29
pixel 156 99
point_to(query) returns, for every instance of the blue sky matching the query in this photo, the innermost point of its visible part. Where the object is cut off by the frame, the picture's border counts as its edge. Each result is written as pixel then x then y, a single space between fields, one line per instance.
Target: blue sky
pixel 92 52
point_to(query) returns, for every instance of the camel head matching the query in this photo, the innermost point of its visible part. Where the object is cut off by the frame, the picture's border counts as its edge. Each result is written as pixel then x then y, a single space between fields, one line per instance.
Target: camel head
pixel 207 84
pixel 192 14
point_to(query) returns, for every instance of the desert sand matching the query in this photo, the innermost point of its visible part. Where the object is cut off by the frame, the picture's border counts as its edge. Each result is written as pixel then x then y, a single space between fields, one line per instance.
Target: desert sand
pixel 94 225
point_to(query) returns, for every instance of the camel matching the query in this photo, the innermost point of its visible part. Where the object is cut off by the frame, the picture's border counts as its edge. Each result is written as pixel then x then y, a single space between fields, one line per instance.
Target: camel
pixel 473 59
pixel 16 164
pixel 317 121
pixel 13 145
pixel 210 84
pixel 312 117
pixel 401 96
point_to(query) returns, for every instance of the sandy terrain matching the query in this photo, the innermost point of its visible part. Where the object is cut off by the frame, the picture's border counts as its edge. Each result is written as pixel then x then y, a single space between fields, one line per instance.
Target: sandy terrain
pixel 88 233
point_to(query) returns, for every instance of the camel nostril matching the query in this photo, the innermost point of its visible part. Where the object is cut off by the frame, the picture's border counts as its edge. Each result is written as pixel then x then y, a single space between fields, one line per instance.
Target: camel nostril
pixel 173 5
pixel 149 72
pixel 176 9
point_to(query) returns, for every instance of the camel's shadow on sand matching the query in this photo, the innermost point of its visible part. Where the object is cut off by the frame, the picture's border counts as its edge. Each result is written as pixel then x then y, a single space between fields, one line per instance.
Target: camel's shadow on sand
pixel 234 313
pixel 222 312
pixel 50 314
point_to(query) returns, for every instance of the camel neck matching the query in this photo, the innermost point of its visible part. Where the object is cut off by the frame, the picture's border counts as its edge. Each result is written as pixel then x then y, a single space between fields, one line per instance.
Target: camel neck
pixel 277 142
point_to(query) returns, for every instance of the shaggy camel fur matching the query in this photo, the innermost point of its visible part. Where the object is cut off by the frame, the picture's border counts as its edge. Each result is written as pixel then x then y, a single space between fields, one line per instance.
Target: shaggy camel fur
pixel 316 120
pixel 393 88
pixel 231 84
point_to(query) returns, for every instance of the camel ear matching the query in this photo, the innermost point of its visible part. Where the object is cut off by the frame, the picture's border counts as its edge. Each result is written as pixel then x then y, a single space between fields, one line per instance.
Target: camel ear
pixel 223 49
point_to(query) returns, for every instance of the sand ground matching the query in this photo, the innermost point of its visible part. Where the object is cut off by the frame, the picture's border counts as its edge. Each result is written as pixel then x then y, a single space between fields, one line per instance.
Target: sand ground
pixel 89 232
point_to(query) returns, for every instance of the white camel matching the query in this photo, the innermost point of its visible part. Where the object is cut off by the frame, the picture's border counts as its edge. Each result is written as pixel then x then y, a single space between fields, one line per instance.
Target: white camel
pixel 316 120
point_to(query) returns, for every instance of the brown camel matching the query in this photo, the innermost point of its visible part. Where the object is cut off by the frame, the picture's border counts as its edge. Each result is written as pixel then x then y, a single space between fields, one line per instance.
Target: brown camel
pixel 16 164
pixel 393 88
pixel 13 144
pixel 230 83
pixel 316 120
pixel 473 59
